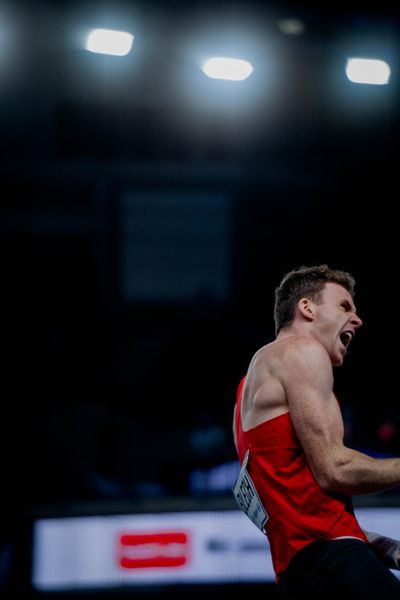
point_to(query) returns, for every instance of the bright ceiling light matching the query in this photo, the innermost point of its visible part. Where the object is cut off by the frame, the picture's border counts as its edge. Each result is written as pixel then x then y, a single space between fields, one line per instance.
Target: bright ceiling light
pixel 365 70
pixel 233 69
pixel 109 41
pixel 291 26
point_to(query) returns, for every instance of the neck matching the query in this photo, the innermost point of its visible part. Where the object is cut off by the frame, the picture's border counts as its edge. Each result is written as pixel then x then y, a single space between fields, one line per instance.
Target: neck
pixel 302 329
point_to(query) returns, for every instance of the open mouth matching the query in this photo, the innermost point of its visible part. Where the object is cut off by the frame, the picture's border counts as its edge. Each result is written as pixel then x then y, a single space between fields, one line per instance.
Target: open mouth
pixel 346 337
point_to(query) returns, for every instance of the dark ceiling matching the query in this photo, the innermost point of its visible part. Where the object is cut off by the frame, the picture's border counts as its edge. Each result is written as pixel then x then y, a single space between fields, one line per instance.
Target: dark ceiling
pixel 61 102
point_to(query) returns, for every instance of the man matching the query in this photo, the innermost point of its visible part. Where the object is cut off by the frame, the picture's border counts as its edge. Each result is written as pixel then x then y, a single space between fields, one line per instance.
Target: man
pixel 297 476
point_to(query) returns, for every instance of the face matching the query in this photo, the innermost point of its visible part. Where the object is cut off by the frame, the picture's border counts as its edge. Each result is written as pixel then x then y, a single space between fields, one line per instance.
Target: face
pixel 335 321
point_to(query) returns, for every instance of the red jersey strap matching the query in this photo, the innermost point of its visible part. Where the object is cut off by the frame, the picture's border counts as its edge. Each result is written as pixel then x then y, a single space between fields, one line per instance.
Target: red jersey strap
pixel 239 393
pixel 238 421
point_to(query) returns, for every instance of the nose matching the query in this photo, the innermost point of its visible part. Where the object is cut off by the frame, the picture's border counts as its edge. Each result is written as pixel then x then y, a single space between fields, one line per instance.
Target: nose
pixel 356 321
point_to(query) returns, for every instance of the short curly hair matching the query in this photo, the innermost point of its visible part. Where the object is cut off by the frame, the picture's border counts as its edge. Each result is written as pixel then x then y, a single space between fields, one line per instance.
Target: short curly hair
pixel 305 282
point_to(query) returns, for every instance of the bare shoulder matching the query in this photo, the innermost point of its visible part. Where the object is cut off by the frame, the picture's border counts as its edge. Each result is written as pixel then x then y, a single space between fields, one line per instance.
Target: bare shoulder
pixel 303 349
pixel 304 361
pixel 291 350
pixel 287 368
pixel 263 394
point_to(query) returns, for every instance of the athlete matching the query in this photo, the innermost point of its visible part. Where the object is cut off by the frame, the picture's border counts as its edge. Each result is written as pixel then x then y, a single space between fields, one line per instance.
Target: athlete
pixel 297 477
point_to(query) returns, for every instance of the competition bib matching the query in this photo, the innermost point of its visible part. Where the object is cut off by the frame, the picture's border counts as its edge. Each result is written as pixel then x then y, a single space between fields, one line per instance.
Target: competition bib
pixel 247 498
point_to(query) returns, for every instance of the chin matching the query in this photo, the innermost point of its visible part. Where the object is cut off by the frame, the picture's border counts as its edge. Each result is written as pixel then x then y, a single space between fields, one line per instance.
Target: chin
pixel 337 361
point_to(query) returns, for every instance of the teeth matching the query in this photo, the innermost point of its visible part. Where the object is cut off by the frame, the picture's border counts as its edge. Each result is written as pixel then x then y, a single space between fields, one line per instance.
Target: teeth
pixel 346 337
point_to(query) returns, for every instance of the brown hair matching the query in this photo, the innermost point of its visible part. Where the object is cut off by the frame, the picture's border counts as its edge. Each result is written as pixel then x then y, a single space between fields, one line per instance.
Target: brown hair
pixel 305 282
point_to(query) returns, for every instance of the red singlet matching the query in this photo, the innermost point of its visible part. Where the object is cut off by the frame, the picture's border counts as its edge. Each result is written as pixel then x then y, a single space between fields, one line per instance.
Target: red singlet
pixel 299 510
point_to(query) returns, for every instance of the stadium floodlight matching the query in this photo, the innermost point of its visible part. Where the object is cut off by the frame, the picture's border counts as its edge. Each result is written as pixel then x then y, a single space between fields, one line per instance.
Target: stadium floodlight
pixel 234 69
pixel 109 41
pixel 368 71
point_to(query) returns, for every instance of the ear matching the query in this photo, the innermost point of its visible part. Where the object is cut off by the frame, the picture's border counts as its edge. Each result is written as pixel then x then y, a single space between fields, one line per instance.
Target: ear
pixel 307 308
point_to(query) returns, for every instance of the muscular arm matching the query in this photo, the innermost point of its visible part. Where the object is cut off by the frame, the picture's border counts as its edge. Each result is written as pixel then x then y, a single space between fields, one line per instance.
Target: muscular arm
pixel 308 381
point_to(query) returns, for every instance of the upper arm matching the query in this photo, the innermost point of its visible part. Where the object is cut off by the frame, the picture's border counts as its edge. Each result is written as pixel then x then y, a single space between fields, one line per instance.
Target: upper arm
pixel 316 417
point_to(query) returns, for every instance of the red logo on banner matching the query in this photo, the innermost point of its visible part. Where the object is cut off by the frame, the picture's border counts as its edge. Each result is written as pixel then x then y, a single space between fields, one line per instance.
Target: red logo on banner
pixel 144 550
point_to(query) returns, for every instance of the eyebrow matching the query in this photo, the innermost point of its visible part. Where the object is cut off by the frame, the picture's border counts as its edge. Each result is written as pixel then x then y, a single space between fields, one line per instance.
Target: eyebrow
pixel 349 306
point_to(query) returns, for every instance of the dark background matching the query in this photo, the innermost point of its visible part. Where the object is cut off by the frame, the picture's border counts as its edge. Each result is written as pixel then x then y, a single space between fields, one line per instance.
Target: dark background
pixel 148 213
